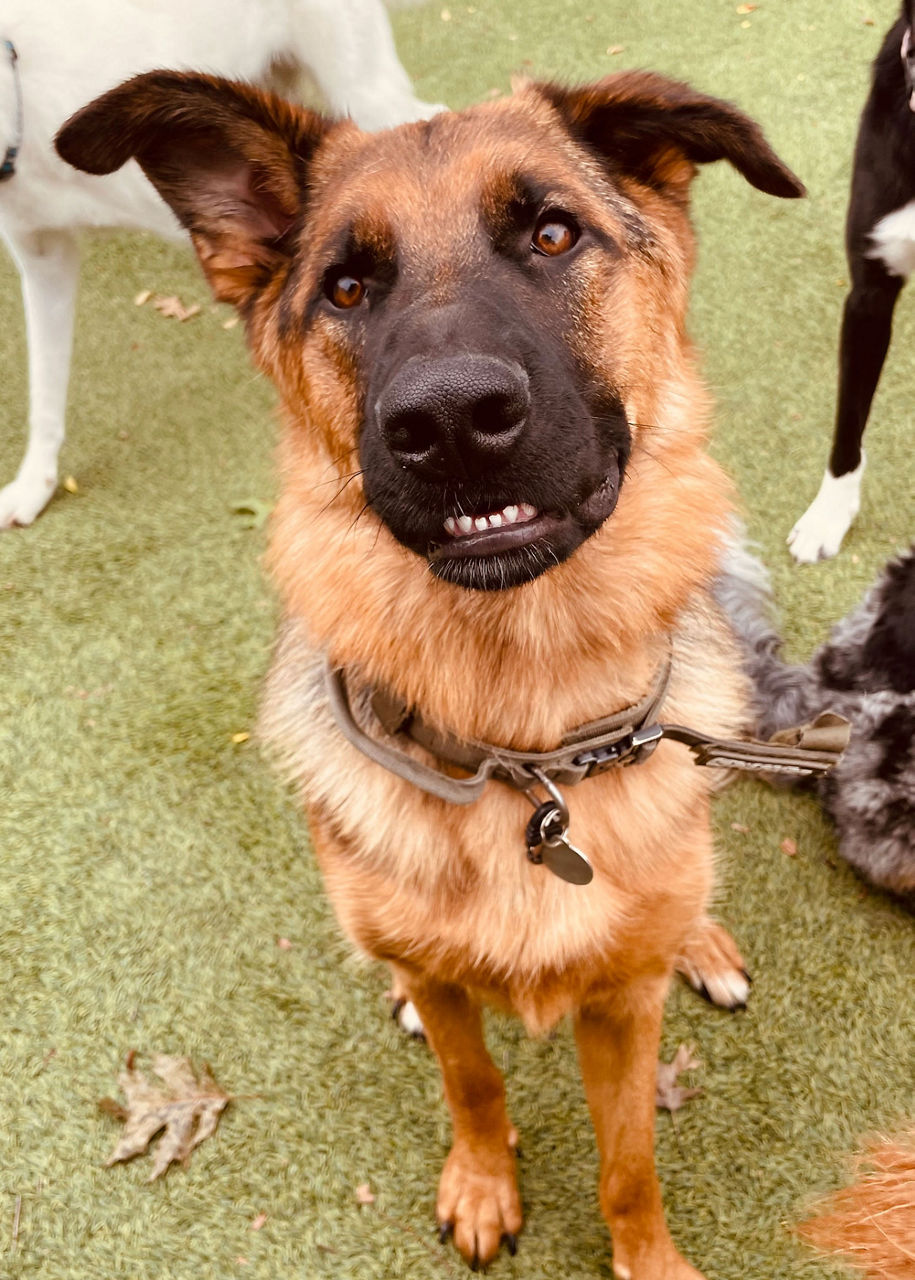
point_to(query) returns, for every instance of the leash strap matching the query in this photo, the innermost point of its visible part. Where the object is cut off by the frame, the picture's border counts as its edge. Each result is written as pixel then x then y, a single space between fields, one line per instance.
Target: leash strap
pixel 8 164
pixel 623 739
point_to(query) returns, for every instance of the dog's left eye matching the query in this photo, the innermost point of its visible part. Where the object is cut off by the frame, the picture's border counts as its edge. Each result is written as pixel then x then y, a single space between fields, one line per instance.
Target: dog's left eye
pixel 554 235
pixel 345 291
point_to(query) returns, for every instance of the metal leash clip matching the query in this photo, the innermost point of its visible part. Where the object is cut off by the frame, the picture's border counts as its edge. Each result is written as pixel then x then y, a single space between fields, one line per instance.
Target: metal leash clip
pixel 547 833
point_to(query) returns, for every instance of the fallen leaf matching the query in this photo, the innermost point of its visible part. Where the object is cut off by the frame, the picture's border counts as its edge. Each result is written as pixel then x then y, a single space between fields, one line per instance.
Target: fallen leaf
pixel 669 1095
pixel 364 1194
pixel 745 8
pixel 230 323
pixel 240 737
pixel 187 1108
pixel 746 24
pixel 615 48
pixel 69 483
pixel 789 846
pixel 142 297
pixel 740 827
pixel 256 511
pixel 284 944
pixel 258 1222
pixel 173 308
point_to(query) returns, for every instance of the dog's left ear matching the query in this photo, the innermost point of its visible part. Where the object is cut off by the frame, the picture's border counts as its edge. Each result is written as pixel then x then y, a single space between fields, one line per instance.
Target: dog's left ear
pixel 231 161
pixel 657 130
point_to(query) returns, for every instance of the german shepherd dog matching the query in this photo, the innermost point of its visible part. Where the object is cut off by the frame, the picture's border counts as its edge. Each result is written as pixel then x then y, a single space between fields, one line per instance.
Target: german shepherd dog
pixel 496 506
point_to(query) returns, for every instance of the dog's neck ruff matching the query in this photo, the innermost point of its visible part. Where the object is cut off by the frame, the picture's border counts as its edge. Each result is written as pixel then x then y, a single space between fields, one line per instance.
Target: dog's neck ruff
pixel 381 726
pixel 8 164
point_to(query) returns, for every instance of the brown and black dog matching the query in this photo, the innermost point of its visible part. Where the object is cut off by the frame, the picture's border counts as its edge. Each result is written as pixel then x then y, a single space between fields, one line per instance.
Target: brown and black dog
pixel 477 328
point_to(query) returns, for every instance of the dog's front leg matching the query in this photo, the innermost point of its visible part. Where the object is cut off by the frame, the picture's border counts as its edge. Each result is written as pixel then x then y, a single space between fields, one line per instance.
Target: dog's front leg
pixel 618 1040
pixel 48 263
pixel 478 1193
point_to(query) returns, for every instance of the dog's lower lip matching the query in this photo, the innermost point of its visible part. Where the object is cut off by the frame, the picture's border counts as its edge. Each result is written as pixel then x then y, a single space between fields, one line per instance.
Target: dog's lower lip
pixel 492 540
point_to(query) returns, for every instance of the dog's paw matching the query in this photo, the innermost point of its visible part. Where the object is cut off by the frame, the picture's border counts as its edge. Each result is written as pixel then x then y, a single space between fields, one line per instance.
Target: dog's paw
pixel 478 1201
pixel 819 532
pixel 405 1014
pixel 672 1268
pixel 24 499
pixel 712 965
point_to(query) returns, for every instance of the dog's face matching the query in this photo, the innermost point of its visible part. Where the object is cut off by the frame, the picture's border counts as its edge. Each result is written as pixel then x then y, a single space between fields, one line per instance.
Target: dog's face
pixel 479 309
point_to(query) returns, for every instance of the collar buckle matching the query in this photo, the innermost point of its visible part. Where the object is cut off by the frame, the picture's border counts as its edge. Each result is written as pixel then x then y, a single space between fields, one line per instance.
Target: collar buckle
pixel 633 748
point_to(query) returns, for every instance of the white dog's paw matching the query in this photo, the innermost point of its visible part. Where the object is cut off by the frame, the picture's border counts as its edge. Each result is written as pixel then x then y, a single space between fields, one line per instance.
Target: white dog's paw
pixel 25 498
pixel 819 532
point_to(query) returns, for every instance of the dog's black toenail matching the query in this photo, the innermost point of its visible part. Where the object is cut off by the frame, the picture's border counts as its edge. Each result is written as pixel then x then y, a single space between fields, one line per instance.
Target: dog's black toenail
pixel 511 1243
pixel 444 1231
pixel 396 1008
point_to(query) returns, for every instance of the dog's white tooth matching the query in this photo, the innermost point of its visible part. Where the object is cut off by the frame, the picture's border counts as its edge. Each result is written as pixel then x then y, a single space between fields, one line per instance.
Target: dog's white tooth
pixel 495 520
pixel 465 523
pixel 527 510
pixel 451 526
pixel 510 513
pixel 482 522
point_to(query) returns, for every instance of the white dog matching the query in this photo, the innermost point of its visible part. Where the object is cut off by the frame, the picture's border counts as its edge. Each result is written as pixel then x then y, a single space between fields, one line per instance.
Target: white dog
pixel 55 56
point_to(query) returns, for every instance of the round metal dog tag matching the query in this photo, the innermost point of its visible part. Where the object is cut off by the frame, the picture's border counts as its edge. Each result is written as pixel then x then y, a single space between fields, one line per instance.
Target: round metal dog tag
pixel 565 861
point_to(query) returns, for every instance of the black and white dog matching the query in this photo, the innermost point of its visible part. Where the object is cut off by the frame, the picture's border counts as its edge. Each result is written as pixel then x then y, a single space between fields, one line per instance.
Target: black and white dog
pixel 880 243
pixel 866 673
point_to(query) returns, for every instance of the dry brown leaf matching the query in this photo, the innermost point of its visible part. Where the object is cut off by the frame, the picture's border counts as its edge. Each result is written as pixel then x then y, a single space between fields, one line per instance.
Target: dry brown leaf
pixel 70 484
pixel 614 49
pixel 740 827
pixel 142 297
pixel 364 1194
pixel 789 846
pixel 256 1223
pixel 187 1108
pixel 174 308
pixel 746 8
pixel 669 1095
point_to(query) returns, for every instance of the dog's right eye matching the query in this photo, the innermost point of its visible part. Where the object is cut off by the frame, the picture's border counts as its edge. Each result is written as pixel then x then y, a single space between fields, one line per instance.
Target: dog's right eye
pixel 344 291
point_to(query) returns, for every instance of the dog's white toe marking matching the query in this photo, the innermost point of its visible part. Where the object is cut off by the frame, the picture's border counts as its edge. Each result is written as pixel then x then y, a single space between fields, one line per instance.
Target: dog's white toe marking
pixel 409 1020
pixel 819 532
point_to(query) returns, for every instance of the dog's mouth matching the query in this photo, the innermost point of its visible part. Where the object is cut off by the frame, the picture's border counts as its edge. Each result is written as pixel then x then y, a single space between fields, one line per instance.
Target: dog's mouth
pixel 495 549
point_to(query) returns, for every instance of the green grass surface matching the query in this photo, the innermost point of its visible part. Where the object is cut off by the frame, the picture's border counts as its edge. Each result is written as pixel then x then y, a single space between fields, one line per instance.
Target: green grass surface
pixel 149 864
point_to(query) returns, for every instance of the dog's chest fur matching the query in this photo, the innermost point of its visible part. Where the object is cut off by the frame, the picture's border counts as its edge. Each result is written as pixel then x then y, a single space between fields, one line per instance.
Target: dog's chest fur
pixel 450 888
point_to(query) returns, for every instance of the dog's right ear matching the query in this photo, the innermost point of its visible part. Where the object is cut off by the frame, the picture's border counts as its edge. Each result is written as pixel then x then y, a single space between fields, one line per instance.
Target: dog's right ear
pixel 229 159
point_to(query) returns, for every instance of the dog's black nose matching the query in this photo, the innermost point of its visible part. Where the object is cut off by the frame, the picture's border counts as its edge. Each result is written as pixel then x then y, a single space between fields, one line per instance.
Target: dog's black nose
pixel 456 414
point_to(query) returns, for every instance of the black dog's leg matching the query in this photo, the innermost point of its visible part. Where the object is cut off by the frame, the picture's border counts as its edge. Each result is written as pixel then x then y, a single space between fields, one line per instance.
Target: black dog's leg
pixel 865 337
pixel 866 327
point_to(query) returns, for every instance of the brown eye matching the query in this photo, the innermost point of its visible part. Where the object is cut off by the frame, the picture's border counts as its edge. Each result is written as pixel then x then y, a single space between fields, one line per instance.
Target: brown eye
pixel 554 235
pixel 345 292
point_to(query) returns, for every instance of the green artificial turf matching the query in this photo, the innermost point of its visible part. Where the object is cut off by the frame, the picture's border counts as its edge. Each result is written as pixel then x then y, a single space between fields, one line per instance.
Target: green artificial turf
pixel 150 863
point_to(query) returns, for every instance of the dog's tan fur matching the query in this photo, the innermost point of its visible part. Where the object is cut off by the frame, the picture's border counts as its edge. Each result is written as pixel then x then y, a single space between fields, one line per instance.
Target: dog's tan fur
pixel 444 894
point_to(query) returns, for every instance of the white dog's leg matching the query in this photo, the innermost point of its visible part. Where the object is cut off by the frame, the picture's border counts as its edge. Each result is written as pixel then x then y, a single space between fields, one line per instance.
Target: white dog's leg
pixel 48 263
pixel 348 47
pixel 819 532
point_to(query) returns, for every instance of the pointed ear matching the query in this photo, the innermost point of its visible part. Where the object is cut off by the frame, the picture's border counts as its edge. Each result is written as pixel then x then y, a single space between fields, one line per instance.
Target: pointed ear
pixel 229 159
pixel 657 130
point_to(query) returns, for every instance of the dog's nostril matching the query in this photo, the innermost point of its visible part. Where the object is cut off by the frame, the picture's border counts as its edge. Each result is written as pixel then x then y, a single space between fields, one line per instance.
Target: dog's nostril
pixel 500 413
pixel 411 432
